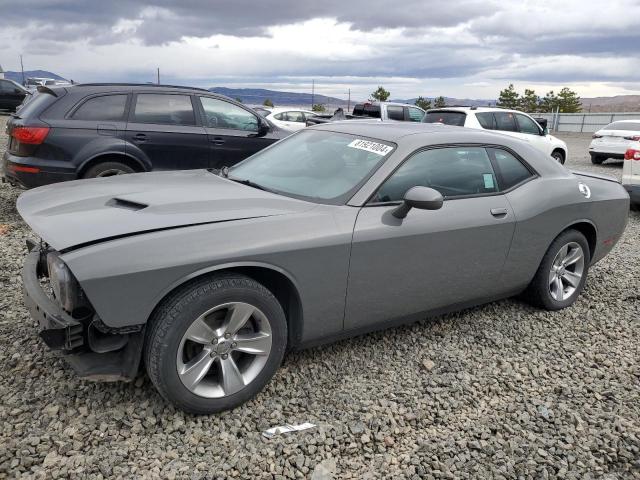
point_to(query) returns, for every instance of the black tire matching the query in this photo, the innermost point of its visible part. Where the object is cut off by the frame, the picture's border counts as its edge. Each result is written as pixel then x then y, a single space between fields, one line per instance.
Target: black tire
pixel 538 292
pixel 107 169
pixel 176 314
pixel 597 159
pixel 558 156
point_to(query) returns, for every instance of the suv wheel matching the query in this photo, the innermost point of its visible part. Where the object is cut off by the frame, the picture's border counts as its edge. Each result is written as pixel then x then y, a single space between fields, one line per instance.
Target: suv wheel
pixel 107 169
pixel 216 343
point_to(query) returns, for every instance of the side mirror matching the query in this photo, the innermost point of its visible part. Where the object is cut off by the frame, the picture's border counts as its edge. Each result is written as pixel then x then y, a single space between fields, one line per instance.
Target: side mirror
pixel 423 198
pixel 545 131
pixel 263 127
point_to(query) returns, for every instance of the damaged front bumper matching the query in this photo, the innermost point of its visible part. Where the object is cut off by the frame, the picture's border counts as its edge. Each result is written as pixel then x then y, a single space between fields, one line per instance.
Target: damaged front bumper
pixel 93 351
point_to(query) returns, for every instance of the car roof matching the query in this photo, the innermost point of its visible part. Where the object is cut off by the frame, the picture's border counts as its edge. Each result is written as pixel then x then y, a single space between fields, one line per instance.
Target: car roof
pixel 98 87
pixel 292 109
pixel 467 109
pixel 388 131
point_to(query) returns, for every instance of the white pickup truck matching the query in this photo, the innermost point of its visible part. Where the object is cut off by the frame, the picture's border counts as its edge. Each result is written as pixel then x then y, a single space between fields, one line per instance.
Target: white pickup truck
pixel 383 111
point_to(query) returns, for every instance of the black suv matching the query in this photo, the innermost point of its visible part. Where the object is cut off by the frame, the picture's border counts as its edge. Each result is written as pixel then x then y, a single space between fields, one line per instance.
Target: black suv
pixel 11 94
pixel 94 130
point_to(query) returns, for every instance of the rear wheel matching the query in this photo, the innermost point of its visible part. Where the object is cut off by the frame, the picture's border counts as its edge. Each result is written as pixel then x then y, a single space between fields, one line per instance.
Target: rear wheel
pixel 597 159
pixel 558 156
pixel 562 272
pixel 216 343
pixel 108 169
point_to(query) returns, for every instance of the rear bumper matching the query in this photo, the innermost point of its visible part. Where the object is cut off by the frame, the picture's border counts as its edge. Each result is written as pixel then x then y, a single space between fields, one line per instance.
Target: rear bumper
pixel 619 156
pixel 634 193
pixel 29 172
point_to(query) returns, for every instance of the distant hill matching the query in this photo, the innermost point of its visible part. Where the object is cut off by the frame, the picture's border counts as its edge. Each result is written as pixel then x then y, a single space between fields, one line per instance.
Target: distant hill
pixel 17 76
pixel 619 103
pixel 256 96
pixel 454 101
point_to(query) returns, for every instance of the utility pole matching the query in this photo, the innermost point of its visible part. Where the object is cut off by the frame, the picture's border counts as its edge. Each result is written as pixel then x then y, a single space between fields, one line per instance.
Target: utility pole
pixel 158 75
pixel 349 101
pixel 22 69
pixel 313 93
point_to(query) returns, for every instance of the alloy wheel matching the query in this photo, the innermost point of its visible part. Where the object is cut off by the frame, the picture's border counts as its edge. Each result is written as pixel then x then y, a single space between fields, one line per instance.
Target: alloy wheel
pixel 111 172
pixel 566 272
pixel 224 349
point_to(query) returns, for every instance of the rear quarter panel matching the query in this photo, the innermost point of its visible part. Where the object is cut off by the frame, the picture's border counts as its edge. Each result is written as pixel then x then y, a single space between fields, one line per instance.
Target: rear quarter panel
pixel 545 207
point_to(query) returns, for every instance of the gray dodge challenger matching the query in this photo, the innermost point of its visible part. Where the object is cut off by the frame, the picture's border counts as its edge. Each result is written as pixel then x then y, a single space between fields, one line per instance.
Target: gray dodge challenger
pixel 208 277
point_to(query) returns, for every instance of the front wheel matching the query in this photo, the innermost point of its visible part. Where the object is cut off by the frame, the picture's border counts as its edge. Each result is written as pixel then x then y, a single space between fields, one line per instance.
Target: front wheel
pixel 558 156
pixel 216 343
pixel 562 273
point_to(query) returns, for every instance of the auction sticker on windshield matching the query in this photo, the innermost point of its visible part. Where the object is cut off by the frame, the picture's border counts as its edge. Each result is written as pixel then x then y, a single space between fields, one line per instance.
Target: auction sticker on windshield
pixel 373 147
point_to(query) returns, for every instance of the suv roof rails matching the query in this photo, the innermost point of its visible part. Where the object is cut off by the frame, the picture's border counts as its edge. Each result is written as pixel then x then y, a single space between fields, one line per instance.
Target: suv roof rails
pixel 140 85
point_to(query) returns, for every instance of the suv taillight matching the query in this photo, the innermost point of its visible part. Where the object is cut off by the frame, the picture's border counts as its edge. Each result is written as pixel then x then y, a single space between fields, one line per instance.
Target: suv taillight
pixel 632 154
pixel 30 135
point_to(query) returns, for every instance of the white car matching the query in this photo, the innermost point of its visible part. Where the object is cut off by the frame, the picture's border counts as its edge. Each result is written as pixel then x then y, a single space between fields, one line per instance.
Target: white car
pixel 290 119
pixel 631 173
pixel 614 140
pixel 510 122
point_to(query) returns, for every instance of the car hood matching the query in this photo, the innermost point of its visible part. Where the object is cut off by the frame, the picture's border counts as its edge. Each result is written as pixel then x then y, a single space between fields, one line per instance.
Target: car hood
pixel 76 213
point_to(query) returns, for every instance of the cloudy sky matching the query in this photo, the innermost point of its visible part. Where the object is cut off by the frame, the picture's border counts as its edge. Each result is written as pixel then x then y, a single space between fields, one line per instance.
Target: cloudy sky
pixel 457 48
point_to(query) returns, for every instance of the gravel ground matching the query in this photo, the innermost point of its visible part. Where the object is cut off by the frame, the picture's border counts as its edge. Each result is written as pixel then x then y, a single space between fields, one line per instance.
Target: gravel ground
pixel 500 391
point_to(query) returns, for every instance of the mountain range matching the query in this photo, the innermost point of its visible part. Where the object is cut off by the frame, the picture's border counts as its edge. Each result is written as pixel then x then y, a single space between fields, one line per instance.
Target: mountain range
pixel 256 96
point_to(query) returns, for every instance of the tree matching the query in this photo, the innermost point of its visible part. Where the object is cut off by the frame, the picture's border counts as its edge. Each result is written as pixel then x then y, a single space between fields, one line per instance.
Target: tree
pixel 238 99
pixel 381 94
pixel 548 103
pixel 529 102
pixel 569 101
pixel 509 98
pixel 318 107
pixel 440 102
pixel 423 103
pixel 267 103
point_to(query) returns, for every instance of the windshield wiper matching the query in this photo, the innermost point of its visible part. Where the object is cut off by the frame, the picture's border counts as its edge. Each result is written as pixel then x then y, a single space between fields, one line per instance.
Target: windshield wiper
pixel 249 183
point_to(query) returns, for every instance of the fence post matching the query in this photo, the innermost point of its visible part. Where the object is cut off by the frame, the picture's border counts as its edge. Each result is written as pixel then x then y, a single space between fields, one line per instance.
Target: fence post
pixel 582 126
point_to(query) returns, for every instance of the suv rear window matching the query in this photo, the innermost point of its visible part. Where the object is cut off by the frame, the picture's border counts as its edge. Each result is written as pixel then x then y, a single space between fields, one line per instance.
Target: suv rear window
pixel 446 117
pixel 105 107
pixel 164 109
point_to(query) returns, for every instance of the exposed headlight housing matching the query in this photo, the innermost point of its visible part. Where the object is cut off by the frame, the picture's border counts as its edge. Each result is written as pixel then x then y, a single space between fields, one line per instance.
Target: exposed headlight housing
pixel 64 285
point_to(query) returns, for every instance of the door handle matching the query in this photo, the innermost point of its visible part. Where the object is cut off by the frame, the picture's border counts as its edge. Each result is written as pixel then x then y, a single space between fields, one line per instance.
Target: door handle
pixel 499 212
pixel 139 137
pixel 217 140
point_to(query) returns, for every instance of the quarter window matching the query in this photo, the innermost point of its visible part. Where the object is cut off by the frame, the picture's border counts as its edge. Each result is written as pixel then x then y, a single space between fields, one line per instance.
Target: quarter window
pixel 512 171
pixel 505 121
pixel 452 171
pixel 164 109
pixel 108 108
pixel 395 112
pixel 295 117
pixel 486 120
pixel 221 114
pixel 415 114
pixel 526 125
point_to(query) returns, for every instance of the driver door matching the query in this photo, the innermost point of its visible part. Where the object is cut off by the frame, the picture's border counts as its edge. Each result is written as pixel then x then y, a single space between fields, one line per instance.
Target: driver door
pixel 232 132
pixel 432 258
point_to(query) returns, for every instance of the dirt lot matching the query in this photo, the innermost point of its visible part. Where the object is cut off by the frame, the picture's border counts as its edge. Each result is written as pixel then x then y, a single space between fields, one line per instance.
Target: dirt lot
pixel 500 391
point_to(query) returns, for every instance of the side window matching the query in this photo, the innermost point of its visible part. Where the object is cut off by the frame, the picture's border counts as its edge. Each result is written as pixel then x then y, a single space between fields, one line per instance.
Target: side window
pixel 512 171
pixel 395 112
pixel 221 114
pixel 415 114
pixel 453 171
pixel 310 115
pixel 295 117
pixel 505 121
pixel 526 125
pixel 164 109
pixel 486 120
pixel 108 108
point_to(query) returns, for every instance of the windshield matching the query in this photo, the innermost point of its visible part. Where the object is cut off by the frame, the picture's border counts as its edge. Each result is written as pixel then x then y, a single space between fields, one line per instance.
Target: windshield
pixel 448 118
pixel 321 166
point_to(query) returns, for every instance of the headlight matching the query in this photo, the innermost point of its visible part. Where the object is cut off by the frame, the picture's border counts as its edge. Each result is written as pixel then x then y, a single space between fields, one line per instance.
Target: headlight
pixel 65 287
